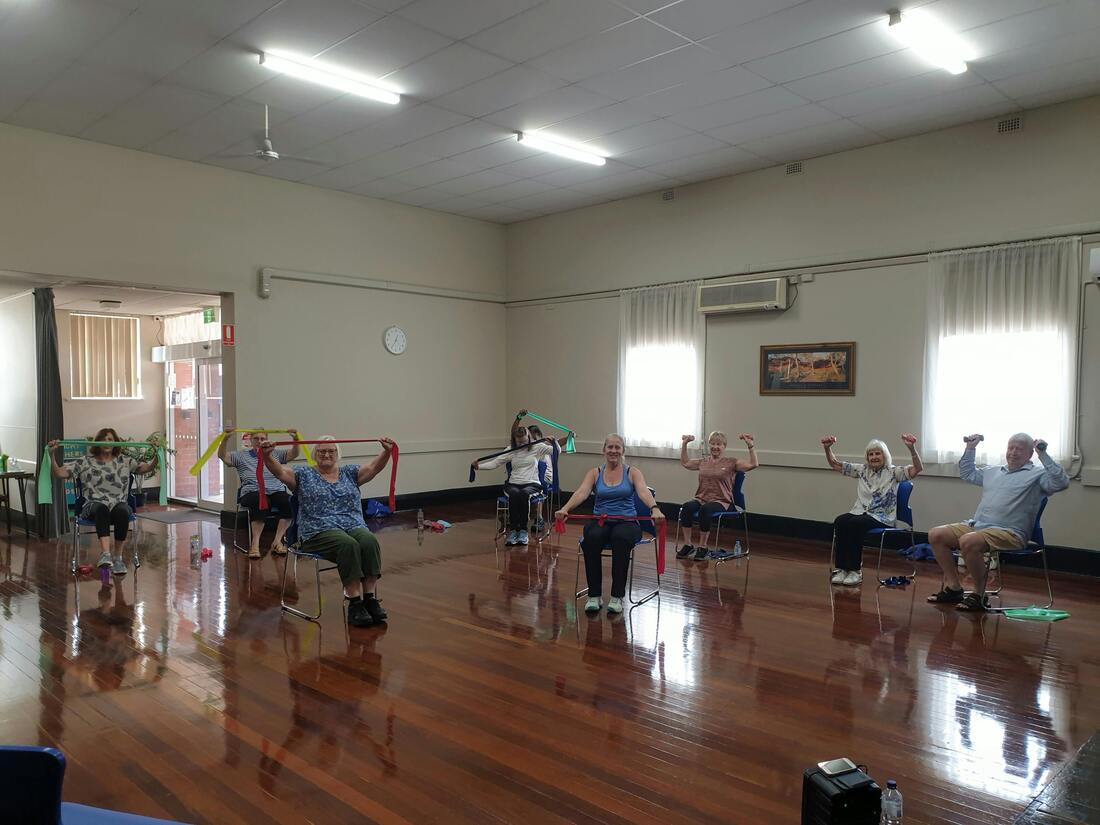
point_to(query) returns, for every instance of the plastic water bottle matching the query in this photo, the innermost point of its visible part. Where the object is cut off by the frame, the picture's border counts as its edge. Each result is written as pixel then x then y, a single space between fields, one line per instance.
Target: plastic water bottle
pixel 420 520
pixel 196 550
pixel 737 551
pixel 891 804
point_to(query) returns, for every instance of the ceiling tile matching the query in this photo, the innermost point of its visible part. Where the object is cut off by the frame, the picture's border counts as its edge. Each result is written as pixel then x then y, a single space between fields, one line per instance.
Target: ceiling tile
pixel 469 184
pixel 715 164
pixel 960 15
pixel 799 117
pixel 1068 75
pixel 215 17
pixel 549 25
pixel 500 91
pixel 741 108
pixel 900 93
pixel 820 140
pixel 699 18
pixel 544 109
pixel 684 147
pixel 609 50
pixel 236 121
pixel 459 139
pixel 383 188
pixel 63 120
pixel 904 127
pixel 227 69
pixel 657 73
pixel 458 204
pixel 293 95
pixel 91 88
pixel 828 53
pixel 511 191
pixel 151 115
pixel 645 134
pixel 1034 27
pixel 1059 95
pixel 539 164
pixel 305 26
pixel 20 79
pixel 461 18
pixel 419 197
pixel 498 213
pixel 385 46
pixel 711 88
pixel 429 174
pixel 381 165
pixel 402 127
pixel 910 115
pixel 386 5
pixel 581 173
pixel 445 71
pixel 54 29
pixel 556 200
pixel 495 154
pixel 1079 46
pixel 287 169
pixel 323 124
pixel 618 183
pixel 599 122
pixel 866 74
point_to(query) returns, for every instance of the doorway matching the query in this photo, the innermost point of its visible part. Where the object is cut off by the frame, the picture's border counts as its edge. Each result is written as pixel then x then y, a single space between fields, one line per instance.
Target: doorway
pixel 194 400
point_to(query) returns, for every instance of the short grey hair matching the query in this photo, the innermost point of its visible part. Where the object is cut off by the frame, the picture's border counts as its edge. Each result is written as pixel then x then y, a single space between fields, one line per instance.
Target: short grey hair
pixel 879 444
pixel 610 436
pixel 339 455
pixel 1022 438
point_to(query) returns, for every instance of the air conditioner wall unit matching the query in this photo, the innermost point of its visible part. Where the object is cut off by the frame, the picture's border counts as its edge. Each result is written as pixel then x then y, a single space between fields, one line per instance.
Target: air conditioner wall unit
pixel 768 294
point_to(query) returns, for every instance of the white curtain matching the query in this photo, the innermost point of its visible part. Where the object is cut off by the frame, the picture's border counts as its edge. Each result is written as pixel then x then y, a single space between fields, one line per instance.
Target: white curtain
pixel 1001 347
pixel 661 346
pixel 104 357
pixel 190 328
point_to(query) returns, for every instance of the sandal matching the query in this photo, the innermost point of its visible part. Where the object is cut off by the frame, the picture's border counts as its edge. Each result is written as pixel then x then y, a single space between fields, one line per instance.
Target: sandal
pixel 973 603
pixel 947 596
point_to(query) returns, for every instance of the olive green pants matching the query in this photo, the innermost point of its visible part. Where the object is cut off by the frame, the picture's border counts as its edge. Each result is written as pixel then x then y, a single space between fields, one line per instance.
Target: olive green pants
pixel 356 552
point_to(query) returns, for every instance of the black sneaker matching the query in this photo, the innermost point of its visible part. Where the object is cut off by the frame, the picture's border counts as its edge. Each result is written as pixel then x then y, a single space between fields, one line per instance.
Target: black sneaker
pixel 685 551
pixel 700 553
pixel 374 608
pixel 358 615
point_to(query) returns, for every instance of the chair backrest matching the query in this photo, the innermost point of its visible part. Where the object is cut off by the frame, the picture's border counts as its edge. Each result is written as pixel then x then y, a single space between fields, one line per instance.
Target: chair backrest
pixel 738 491
pixel 291 534
pixel 904 511
pixel 1037 530
pixel 79 500
pixel 30 781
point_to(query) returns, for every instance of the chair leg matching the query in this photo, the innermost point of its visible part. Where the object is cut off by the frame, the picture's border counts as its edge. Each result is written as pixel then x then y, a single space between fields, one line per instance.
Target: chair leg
pixel 630 586
pixel 248 528
pixel 76 546
pixel 577 580
pixel 1046 577
pixel 313 617
pixel 832 555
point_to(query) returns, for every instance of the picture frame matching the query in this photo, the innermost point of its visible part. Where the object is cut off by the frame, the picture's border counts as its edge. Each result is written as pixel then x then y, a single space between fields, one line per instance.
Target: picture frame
pixel 808 369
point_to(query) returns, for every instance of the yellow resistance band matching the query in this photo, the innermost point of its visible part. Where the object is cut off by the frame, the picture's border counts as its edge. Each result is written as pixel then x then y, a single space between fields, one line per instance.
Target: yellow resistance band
pixel 217 442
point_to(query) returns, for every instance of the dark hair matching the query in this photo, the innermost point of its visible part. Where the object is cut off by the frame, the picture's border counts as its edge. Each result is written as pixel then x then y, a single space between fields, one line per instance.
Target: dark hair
pixel 516 431
pixel 535 432
pixel 101 436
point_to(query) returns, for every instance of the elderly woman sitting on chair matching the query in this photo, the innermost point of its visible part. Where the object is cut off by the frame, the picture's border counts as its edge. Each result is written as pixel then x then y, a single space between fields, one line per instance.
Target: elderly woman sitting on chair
pixel 715 492
pixel 615 484
pixel 331 524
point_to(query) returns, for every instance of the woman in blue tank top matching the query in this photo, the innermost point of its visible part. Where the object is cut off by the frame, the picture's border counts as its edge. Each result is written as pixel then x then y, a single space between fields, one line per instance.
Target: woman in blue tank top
pixel 615 485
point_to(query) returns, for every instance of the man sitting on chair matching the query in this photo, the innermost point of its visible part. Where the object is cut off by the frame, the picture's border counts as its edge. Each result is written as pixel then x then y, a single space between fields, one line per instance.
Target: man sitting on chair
pixel 1011 495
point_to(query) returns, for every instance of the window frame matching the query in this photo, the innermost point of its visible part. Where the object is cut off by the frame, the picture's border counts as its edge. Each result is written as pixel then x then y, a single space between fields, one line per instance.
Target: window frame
pixel 138 385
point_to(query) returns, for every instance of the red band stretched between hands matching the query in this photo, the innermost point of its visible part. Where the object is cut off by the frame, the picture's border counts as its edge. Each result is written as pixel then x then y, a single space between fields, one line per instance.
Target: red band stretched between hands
pixel 394 454
pixel 559 527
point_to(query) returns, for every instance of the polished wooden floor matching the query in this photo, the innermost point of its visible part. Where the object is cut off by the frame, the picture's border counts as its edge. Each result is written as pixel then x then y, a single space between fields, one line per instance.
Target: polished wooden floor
pixel 184 692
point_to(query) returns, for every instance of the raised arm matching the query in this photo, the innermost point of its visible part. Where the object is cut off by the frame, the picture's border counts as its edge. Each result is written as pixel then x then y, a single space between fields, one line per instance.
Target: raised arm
pixel 642 491
pixel 294 451
pixel 685 462
pixel 753 462
pixel 1055 479
pixel 917 466
pixel 146 467
pixel 223 448
pixel 58 470
pixel 369 471
pixel 277 468
pixel 583 491
pixel 827 442
pixel 565 438
pixel 968 470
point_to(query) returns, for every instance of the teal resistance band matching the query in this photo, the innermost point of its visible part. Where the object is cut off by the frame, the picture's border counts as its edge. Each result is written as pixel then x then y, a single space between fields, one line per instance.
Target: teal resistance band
pixel 45 480
pixel 570 446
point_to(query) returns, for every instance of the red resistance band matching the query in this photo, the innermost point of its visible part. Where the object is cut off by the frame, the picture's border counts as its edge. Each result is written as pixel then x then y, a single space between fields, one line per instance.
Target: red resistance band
pixel 393 465
pixel 559 527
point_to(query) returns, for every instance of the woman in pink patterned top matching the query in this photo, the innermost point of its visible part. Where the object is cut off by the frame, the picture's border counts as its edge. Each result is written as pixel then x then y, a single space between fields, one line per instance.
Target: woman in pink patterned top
pixel 715 492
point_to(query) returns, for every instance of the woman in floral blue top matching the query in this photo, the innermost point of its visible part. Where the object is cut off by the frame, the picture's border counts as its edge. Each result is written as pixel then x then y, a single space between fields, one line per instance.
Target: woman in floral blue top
pixel 331 524
pixel 876 501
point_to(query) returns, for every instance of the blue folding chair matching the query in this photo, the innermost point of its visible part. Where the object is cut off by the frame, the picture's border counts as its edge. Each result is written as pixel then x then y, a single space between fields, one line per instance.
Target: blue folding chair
pixel 649 528
pixel 88 525
pixel 535 508
pixel 1035 546
pixel 30 784
pixel 903 523
pixel 320 565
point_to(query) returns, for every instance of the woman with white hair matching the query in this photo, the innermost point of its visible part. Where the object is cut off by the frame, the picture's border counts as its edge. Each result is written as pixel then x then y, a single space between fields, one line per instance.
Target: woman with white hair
pixel 330 520
pixel 876 501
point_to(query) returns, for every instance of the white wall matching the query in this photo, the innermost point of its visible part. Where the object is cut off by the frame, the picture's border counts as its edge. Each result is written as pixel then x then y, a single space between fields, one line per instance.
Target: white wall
pixel 948 189
pixel 131 418
pixel 85 211
pixel 18 386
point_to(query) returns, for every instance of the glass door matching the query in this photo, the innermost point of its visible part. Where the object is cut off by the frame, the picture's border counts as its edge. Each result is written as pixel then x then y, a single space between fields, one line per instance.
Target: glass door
pixel 194 389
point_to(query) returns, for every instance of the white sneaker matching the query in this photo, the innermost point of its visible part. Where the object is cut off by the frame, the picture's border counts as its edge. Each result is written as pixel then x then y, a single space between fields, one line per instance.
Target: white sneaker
pixel 592 605
pixel 839 576
pixel 105 560
pixel 614 605
pixel 853 578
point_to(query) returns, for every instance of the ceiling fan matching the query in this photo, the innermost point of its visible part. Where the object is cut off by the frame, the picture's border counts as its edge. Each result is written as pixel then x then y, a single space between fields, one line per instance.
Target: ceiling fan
pixel 266 151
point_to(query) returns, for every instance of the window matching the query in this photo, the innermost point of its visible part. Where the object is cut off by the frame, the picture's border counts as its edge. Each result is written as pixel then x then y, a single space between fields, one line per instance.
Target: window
pixel 1001 348
pixel 661 340
pixel 103 355
pixel 191 328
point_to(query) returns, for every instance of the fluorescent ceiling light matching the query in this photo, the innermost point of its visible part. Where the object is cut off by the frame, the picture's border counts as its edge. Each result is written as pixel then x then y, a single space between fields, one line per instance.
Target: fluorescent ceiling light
pixel 557 147
pixel 934 42
pixel 327 75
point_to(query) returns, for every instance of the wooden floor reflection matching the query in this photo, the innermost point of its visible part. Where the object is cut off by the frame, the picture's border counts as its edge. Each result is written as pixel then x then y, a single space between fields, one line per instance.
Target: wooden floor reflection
pixel 182 691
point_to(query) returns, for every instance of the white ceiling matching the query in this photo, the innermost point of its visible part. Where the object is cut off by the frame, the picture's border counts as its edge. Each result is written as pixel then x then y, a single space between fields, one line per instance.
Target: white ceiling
pixel 86 298
pixel 675 91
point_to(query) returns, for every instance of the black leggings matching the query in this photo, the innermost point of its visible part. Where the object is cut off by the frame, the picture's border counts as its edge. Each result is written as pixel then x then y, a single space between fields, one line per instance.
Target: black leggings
pixel 277 504
pixel 621 536
pixel 519 503
pixel 705 513
pixel 850 530
pixel 105 517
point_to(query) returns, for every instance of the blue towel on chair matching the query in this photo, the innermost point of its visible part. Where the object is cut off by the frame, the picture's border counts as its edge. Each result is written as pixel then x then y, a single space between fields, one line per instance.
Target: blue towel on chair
pixel 918 552
pixel 375 509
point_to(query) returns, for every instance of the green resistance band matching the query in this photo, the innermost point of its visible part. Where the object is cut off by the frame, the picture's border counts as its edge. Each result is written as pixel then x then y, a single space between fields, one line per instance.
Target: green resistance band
pixel 570 447
pixel 45 480
pixel 220 437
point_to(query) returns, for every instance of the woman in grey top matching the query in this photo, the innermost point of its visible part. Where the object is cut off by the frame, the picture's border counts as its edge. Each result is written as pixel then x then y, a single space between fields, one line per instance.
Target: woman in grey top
pixel 104 475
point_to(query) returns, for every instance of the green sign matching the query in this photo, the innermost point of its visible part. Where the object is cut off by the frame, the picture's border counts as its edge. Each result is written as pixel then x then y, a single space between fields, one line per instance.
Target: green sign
pixel 209 315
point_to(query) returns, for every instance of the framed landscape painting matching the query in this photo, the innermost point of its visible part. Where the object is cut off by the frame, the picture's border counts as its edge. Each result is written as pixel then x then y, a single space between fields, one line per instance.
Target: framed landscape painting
pixel 808 369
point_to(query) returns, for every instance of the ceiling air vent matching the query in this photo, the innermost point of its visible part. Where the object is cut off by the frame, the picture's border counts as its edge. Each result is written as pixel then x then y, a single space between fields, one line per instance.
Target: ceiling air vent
pixel 743 296
pixel 794 167
pixel 668 195
pixel 1010 124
